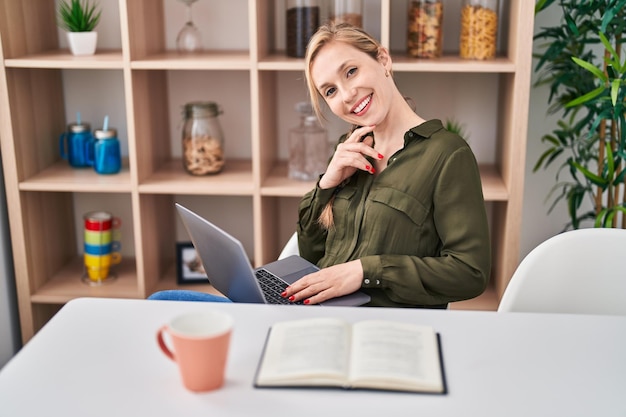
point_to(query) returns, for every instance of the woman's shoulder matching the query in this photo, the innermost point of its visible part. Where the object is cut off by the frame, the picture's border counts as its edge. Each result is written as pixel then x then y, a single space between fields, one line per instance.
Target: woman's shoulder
pixel 438 137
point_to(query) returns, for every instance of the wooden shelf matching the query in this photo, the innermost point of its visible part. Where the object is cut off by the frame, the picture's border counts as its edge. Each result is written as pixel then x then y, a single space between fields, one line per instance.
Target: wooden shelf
pixel 206 60
pixel 235 179
pixel 69 283
pixel 63 59
pixel 257 80
pixel 62 177
pixel 451 64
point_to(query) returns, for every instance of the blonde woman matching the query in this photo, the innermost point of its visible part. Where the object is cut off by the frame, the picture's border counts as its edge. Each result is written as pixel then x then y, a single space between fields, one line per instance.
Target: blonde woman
pixel 399 212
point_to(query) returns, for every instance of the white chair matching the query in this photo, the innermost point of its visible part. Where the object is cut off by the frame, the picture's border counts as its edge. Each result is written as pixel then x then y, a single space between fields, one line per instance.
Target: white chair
pixel 580 271
pixel 291 247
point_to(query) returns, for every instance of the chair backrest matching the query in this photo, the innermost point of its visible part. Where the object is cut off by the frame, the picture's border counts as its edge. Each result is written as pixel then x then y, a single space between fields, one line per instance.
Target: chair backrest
pixel 580 271
pixel 291 247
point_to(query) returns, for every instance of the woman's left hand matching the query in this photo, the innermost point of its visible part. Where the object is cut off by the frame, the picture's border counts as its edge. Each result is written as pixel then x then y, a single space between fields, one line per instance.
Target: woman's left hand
pixel 327 283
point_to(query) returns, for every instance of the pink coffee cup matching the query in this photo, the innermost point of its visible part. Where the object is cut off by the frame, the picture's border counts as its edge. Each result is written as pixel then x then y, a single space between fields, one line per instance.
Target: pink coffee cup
pixel 200 342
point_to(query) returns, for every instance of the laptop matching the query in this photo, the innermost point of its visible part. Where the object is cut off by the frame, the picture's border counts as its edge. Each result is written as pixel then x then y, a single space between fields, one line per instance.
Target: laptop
pixel 230 272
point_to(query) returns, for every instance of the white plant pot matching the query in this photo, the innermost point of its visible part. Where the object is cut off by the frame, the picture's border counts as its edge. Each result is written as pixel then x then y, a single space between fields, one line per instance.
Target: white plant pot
pixel 82 43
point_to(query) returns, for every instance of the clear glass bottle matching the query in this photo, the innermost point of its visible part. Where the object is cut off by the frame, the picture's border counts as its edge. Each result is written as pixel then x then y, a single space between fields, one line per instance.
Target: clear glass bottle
pixel 308 146
pixel 479 29
pixel 202 137
pixel 347 11
pixel 425 28
pixel 303 19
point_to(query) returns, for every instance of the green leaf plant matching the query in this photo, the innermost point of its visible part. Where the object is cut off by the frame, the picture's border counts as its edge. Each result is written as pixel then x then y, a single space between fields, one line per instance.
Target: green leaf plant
pixel 583 61
pixel 78 16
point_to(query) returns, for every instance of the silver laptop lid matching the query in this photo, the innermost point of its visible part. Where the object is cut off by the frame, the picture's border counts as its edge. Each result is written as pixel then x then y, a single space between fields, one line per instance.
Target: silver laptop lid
pixel 229 269
pixel 223 257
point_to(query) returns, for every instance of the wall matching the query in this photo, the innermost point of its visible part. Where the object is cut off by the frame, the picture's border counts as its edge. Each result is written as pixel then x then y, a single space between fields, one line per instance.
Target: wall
pixel 9 326
pixel 537 224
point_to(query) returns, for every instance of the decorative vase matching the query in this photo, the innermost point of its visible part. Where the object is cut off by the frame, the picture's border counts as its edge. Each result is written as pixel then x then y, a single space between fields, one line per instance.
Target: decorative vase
pixel 82 43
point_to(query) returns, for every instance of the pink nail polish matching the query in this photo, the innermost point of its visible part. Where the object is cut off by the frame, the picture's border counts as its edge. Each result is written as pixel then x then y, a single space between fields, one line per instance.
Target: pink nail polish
pixel 292 298
pixel 367 167
pixel 380 156
pixel 373 171
pixel 283 294
pixel 307 301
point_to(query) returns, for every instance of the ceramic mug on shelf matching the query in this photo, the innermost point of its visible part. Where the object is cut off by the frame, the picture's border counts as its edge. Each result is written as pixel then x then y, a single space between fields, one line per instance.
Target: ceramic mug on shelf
pixel 199 346
pixel 105 237
pixel 101 221
pixel 102 245
pixel 104 249
pixel 99 266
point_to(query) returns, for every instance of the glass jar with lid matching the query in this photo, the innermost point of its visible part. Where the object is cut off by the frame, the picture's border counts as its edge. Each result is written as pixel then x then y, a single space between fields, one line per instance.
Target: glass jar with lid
pixel 479 29
pixel 425 30
pixel 309 150
pixel 202 137
pixel 107 158
pixel 303 19
pixel 347 11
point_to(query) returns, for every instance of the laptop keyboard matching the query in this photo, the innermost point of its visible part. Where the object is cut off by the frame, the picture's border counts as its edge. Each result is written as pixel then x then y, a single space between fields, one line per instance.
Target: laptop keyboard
pixel 272 286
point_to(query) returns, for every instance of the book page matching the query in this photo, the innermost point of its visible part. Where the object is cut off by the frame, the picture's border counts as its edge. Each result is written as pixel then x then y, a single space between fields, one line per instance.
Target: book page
pixel 395 355
pixel 306 352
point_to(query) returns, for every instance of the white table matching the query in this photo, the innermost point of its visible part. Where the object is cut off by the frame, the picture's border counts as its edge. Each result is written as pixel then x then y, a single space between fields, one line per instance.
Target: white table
pixel 99 357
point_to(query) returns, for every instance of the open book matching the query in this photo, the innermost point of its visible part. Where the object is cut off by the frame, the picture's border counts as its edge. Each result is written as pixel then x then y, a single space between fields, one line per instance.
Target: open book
pixel 373 354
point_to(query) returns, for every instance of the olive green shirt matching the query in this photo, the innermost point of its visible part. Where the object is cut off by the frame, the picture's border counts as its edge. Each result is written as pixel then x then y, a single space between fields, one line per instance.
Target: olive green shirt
pixel 419 227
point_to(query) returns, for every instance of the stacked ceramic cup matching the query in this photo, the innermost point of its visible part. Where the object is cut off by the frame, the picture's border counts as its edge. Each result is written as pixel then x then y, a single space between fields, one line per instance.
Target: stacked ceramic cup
pixel 102 245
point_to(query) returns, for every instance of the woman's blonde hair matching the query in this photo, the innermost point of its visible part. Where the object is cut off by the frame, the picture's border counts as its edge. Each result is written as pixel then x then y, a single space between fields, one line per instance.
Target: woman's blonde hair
pixel 326 34
pixel 342 32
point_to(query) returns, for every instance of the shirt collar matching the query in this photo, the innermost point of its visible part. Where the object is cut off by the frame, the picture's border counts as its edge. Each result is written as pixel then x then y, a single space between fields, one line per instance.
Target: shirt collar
pixel 424 131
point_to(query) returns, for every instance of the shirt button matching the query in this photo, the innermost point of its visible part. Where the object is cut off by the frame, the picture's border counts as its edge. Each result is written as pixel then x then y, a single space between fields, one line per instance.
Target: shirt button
pixel 411 134
pixel 367 281
pixel 377 282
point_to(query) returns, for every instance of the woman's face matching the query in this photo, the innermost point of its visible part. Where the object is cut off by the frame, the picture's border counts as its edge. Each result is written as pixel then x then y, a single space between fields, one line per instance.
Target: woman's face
pixel 352 83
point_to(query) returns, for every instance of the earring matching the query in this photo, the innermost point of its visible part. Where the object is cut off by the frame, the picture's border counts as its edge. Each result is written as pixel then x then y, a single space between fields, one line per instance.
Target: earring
pixel 386 73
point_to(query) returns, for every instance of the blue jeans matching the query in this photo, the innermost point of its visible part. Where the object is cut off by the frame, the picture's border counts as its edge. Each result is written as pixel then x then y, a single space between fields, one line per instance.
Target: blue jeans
pixel 187 295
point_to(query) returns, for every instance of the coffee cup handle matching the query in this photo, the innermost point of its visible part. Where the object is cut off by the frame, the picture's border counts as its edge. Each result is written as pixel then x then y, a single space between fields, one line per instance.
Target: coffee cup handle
pixel 162 344
pixel 116 258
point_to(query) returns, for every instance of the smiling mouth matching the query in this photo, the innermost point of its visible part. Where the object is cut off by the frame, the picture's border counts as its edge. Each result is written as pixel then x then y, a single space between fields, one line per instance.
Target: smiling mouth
pixel 362 105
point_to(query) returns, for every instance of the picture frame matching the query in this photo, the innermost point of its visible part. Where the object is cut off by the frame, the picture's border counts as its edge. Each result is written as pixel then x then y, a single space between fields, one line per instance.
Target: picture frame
pixel 189 269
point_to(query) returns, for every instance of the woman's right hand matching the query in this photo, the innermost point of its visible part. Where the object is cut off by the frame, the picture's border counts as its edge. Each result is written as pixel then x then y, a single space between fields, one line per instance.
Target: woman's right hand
pixel 349 156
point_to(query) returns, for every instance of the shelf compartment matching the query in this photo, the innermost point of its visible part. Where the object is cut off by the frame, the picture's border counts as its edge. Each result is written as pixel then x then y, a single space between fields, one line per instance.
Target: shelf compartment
pixel 61 177
pixel 278 184
pixel 67 284
pixel 168 282
pixel 452 64
pixel 171 178
pixel 494 188
pixel 63 59
pixel 402 63
pixel 205 60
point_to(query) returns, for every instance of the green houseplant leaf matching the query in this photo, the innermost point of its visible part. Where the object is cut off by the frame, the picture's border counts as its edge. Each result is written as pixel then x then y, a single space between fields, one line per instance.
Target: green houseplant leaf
pixel 78 15
pixel 582 60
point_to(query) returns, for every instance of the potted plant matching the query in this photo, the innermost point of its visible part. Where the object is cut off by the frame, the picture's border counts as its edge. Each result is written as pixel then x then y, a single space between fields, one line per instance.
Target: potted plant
pixel 584 63
pixel 79 18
